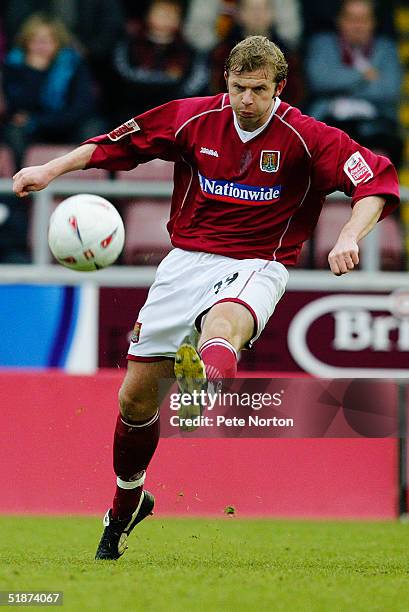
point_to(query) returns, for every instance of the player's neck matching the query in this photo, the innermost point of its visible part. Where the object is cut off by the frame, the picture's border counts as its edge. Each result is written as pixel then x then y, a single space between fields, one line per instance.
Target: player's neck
pixel 251 125
pixel 247 135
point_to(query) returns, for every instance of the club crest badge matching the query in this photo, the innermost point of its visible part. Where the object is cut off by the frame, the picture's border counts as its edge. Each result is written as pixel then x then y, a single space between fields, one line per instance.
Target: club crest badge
pixel 269 161
pixel 136 332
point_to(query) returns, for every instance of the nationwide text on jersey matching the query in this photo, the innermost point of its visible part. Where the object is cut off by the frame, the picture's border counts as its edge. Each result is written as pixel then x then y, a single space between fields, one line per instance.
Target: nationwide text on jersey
pixel 238 192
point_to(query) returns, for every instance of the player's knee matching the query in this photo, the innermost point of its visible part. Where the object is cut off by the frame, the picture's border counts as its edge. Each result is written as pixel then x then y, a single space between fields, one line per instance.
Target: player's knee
pixel 221 327
pixel 135 407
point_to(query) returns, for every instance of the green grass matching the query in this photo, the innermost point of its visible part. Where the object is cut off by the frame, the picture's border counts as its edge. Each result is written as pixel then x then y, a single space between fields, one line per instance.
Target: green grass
pixel 225 564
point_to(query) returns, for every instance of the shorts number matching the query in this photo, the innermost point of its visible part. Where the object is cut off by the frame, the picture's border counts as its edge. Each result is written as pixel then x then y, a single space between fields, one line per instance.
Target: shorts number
pixel 225 282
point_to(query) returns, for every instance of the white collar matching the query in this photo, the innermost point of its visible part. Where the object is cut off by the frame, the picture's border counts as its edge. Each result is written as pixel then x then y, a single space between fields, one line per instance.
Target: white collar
pixel 246 136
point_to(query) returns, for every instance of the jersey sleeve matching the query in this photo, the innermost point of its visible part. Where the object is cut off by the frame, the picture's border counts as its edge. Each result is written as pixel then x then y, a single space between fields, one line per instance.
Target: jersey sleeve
pixel 341 164
pixel 141 139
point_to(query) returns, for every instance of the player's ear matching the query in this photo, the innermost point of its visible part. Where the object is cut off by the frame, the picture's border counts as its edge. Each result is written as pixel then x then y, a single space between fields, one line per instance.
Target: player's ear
pixel 280 86
pixel 226 76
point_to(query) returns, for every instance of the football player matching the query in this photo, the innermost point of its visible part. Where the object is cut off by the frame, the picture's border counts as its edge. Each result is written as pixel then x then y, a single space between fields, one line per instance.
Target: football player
pixel 251 176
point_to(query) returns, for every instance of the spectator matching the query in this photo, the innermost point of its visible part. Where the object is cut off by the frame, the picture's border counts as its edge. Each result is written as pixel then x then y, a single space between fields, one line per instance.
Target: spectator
pixel 256 17
pixel 321 16
pixel 207 22
pixel 96 26
pixel 47 88
pixel 355 79
pixel 155 64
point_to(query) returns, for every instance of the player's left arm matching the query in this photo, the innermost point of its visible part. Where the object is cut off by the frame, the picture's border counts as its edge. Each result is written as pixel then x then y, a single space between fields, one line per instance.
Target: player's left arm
pixel 341 164
pixel 345 255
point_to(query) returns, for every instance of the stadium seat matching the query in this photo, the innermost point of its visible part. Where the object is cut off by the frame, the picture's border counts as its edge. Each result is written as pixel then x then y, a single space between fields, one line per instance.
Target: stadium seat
pixel 6 163
pixel 42 153
pixel 391 244
pixel 155 170
pixel 147 240
pixel 334 215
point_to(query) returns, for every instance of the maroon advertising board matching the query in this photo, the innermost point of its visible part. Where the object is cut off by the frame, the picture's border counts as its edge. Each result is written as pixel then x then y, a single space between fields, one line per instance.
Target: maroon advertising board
pixel 345 334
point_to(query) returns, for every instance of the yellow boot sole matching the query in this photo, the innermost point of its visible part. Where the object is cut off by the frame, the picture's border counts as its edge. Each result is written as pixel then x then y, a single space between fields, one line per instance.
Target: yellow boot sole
pixel 190 373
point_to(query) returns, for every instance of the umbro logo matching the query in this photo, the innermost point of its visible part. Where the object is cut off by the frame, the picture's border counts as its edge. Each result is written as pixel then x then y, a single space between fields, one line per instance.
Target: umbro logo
pixel 209 152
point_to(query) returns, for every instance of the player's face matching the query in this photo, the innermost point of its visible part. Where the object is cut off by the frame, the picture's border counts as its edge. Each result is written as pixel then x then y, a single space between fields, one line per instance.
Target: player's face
pixel 252 97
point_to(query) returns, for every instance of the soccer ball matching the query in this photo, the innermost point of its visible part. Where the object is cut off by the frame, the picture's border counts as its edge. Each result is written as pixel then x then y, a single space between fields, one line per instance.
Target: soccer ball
pixel 86 233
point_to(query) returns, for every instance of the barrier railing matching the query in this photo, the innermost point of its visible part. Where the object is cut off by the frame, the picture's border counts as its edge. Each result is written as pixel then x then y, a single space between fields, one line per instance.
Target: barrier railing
pixel 143 276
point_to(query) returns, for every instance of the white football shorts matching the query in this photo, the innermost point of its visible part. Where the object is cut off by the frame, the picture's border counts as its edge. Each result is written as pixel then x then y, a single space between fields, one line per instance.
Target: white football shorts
pixel 188 284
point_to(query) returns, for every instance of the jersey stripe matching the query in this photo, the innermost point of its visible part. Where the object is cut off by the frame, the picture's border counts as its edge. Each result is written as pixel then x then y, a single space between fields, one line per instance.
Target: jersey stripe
pixel 184 198
pixel 213 110
pixel 189 186
pixel 295 131
pixel 290 219
pixel 285 112
pixel 308 186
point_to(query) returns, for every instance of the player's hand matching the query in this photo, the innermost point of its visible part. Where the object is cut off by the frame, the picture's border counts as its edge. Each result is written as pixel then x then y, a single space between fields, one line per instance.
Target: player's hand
pixel 344 256
pixel 29 179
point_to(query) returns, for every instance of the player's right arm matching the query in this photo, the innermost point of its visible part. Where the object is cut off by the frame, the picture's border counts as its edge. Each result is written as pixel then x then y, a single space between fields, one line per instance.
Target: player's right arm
pixel 35 178
pixel 139 140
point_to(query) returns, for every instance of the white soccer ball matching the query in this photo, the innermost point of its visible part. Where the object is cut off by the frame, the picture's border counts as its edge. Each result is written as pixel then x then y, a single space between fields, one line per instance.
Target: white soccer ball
pixel 86 233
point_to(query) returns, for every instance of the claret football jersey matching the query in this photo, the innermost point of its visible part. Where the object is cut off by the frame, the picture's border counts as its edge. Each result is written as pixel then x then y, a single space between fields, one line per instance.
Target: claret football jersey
pixel 246 194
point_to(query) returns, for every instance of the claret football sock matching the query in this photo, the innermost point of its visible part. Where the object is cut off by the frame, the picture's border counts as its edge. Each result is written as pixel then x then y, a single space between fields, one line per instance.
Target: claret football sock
pixel 220 358
pixel 126 498
pixel 134 446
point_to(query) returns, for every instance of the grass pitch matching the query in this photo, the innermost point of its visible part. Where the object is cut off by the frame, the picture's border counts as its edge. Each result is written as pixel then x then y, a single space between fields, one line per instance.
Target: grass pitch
pixel 226 564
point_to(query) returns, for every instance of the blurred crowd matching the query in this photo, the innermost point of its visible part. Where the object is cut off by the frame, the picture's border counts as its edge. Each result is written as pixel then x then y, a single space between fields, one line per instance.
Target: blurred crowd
pixel 74 68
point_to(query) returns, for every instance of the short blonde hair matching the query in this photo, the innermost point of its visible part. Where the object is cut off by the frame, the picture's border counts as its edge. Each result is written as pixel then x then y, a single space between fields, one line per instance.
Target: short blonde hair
pixel 38 20
pixel 256 52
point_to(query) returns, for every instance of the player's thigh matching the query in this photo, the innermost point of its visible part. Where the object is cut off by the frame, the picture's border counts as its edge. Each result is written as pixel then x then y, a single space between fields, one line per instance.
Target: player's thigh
pixel 169 313
pixel 138 395
pixel 231 321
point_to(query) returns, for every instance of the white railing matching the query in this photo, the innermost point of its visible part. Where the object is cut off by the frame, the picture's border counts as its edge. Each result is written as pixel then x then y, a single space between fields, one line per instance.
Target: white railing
pixel 42 201
pixel 143 276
